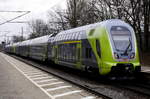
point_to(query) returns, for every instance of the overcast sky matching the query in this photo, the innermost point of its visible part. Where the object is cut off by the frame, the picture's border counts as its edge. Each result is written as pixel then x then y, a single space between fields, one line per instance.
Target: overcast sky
pixel 38 8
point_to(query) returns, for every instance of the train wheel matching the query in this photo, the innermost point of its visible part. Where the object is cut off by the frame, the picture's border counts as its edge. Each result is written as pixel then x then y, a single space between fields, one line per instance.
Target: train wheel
pixel 88 69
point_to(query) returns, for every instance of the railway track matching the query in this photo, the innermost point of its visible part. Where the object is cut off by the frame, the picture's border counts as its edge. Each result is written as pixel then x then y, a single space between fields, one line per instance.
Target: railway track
pixel 140 88
pixel 89 85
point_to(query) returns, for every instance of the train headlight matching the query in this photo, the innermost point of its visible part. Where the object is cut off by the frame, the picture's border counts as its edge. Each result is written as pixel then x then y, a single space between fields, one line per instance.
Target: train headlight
pixel 116 55
pixel 132 55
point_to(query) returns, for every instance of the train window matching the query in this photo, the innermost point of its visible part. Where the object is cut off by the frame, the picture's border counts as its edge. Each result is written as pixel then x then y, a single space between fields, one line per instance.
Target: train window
pixel 70 36
pixel 59 37
pixel 91 32
pixel 63 37
pixel 73 36
pixel 121 37
pixel 56 38
pixel 67 36
pixel 98 48
pixel 79 37
pixel 76 35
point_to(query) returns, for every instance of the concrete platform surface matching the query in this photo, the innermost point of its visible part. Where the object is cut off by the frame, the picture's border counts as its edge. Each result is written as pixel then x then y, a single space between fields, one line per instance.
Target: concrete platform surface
pixel 13 85
pixel 21 81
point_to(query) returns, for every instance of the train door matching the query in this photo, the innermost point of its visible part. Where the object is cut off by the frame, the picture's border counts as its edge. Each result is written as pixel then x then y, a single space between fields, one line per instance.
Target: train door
pixel 56 54
pixel 78 53
pixel 45 53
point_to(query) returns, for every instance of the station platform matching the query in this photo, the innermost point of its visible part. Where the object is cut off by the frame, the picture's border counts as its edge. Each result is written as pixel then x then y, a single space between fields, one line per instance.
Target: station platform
pixel 22 81
pixel 13 85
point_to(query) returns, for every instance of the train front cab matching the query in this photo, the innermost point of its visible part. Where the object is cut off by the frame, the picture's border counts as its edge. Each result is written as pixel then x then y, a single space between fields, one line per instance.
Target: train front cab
pixel 124 51
pixel 117 51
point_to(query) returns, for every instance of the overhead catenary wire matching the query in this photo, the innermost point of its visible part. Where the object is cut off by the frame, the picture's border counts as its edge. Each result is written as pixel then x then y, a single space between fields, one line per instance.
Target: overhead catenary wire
pixel 7 21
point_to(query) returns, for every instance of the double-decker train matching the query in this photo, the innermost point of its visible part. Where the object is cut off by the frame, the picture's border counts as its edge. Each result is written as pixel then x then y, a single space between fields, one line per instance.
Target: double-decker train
pixel 106 47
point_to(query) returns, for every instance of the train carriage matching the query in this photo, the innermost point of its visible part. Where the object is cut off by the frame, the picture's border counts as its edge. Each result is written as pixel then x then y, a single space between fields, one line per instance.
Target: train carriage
pixel 38 48
pixel 108 46
pixel 8 48
pixel 15 48
pixel 24 48
pixel 67 49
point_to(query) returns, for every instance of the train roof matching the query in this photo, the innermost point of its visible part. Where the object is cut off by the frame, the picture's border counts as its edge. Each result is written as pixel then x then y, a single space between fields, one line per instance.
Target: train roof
pixel 90 26
pixel 75 34
pixel 39 40
pixel 86 27
pixel 25 42
pixel 8 45
pixel 16 44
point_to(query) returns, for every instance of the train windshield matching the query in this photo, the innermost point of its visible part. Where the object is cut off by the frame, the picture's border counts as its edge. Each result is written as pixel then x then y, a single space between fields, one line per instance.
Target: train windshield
pixel 122 38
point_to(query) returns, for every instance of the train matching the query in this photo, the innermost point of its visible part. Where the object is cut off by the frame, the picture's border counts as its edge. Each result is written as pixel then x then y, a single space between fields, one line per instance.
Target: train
pixel 107 47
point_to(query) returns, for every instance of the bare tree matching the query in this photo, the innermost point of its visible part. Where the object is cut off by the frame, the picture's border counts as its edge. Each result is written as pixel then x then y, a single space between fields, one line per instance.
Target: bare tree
pixel 17 39
pixel 74 16
pixel 57 21
pixel 38 28
pixel 146 12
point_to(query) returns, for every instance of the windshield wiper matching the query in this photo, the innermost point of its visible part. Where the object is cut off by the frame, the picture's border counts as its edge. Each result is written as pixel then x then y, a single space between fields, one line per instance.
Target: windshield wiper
pixel 125 52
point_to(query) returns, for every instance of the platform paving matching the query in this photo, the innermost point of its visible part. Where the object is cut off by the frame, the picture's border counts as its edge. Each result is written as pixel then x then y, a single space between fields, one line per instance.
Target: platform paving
pixel 21 81
pixel 13 85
